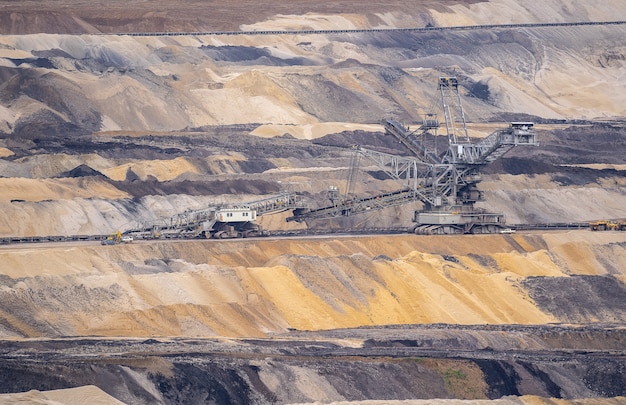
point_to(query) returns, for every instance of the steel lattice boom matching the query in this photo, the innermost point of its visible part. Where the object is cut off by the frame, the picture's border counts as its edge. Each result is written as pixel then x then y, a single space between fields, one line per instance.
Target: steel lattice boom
pixel 445 184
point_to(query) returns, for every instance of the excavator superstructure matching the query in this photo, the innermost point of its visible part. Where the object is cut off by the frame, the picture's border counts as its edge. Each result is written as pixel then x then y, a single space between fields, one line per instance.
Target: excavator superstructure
pixel 445 183
pixel 221 221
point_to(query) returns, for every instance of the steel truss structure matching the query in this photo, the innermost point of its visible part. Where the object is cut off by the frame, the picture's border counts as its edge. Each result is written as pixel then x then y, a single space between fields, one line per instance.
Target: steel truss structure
pixel 445 184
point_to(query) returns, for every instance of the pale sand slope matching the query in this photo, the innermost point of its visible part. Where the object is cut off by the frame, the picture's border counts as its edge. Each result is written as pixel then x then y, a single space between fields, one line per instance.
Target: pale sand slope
pixel 312 131
pixel 56 189
pixel 170 169
pixel 52 165
pixel 538 199
pixel 573 73
pixel 88 394
pixel 91 206
pixel 250 288
pixel 95 216
pixel 161 170
pixel 4 152
pixel 478 13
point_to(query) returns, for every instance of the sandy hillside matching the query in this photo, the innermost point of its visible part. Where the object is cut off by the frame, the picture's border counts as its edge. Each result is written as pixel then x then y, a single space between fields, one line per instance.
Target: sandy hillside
pixel 253 288
pixel 473 317
pixel 70 396
pixel 311 82
pixel 101 132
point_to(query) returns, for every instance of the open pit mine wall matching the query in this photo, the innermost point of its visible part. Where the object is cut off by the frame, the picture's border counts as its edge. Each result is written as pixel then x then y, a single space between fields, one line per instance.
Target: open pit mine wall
pixel 260 288
pixel 278 378
pixel 68 86
pixel 255 287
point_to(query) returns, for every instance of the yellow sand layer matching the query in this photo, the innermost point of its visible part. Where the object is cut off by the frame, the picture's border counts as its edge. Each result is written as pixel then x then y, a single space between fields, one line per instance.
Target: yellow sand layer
pixel 252 287
pixel 162 170
pixel 56 189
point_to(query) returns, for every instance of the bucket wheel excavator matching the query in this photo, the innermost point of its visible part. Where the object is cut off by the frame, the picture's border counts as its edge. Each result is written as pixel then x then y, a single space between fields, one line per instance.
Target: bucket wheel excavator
pixel 219 222
pixel 445 183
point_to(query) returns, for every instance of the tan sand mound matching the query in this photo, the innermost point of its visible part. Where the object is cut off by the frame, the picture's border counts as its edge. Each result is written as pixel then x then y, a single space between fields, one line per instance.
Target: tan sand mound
pixel 88 394
pixel 250 288
pixel 162 170
pixel 57 189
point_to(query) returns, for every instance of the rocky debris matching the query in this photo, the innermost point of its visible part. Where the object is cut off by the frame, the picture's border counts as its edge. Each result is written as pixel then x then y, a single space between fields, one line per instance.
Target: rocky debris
pixel 138 188
pixel 349 139
pixel 402 362
pixel 578 143
pixel 82 171
pixel 580 297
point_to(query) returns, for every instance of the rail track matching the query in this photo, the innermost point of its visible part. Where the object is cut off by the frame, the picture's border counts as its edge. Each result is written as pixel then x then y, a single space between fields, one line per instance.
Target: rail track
pixel 367 30
pixel 8 240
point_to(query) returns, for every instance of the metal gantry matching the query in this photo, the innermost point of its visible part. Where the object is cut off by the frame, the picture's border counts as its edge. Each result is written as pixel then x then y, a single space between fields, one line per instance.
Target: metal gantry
pixel 228 220
pixel 444 183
